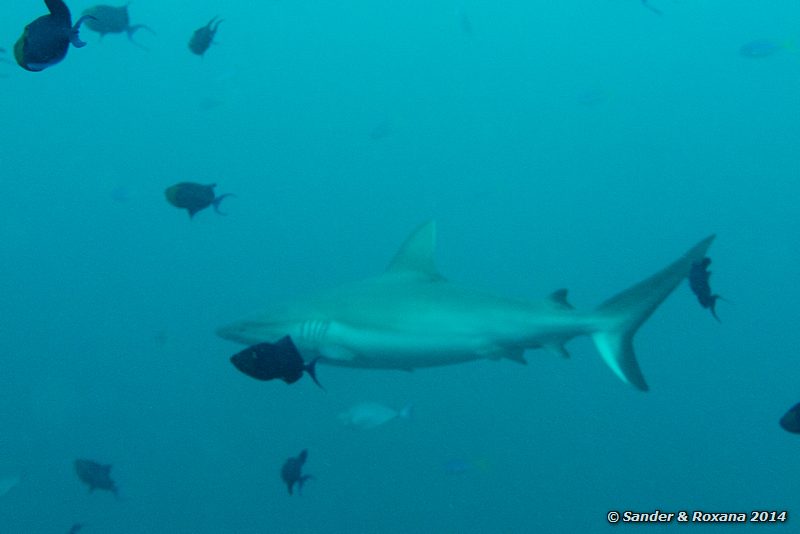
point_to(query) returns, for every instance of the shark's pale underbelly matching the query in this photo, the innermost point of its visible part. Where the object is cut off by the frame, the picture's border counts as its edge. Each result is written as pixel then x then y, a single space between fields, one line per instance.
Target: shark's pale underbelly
pixel 375 348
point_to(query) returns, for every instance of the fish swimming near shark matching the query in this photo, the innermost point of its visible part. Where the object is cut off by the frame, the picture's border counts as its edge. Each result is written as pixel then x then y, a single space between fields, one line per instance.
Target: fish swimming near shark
pixel 95 475
pixel 268 361
pixel 372 415
pixel 113 19
pixel 699 283
pixel 292 472
pixel 411 316
pixel 45 41
pixel 203 37
pixel 790 421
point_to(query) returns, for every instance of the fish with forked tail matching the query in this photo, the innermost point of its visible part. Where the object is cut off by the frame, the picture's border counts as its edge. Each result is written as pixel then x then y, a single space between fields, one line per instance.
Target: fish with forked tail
pixel 95 475
pixel 45 41
pixel 113 19
pixel 698 282
pixel 291 472
pixel 194 197
pixel 267 361
pixel 203 38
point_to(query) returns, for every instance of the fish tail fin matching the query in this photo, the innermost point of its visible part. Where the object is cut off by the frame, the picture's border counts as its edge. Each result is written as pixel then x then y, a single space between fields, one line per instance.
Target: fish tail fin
pixel 133 29
pixel 74 34
pixel 311 369
pixel 219 200
pixel 620 317
pixel 136 27
pixel 407 411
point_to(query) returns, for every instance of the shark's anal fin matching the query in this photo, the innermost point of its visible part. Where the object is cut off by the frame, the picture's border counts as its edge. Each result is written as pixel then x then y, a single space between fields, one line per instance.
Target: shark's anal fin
pixel 416 253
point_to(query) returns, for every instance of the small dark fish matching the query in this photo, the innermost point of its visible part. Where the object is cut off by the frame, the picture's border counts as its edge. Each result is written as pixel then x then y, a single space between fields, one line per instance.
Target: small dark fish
pixel 791 420
pixel 113 19
pixel 698 282
pixel 45 41
pixel 646 3
pixel 95 475
pixel 291 472
pixel 267 361
pixel 194 197
pixel 203 37
pixel 75 528
pixel 760 48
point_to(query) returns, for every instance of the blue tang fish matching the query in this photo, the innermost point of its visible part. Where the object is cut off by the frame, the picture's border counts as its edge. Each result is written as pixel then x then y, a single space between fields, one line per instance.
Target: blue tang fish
pixel 45 41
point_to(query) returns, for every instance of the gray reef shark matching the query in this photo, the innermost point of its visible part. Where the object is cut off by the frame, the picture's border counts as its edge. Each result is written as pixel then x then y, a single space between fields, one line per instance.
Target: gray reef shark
pixel 410 317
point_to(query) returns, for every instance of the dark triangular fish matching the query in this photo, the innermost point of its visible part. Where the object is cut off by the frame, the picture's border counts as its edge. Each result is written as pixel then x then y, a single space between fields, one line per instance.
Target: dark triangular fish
pixel 45 41
pixel 194 197
pixel 75 528
pixel 95 475
pixel 291 472
pixel 267 361
pixel 698 282
pixel 113 19
pixel 790 421
pixel 202 38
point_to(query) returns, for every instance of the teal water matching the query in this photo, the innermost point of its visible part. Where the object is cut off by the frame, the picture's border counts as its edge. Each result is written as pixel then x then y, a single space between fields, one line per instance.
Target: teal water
pixel 580 144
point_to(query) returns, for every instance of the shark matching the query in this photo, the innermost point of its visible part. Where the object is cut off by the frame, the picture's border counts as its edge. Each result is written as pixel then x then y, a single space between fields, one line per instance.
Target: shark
pixel 411 316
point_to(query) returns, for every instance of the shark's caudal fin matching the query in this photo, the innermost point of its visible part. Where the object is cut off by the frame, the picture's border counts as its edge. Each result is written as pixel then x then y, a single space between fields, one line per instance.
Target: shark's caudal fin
pixel 621 316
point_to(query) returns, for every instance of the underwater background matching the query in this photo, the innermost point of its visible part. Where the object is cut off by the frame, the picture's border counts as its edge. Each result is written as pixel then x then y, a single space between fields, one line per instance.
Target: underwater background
pixel 581 144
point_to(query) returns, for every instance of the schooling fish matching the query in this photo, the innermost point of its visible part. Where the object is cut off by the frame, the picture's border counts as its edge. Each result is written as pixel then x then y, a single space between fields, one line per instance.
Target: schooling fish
pixel 95 475
pixel 113 19
pixel 372 414
pixel 194 197
pixel 45 41
pixel 203 37
pixel 791 420
pixel 698 282
pixel 291 472
pixel 267 361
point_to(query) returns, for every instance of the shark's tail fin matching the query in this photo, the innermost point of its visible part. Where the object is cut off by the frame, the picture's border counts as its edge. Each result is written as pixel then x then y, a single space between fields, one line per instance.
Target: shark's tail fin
pixel 621 316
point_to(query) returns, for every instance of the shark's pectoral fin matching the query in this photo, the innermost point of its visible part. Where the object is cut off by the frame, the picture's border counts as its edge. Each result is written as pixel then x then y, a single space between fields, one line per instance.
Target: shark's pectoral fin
pixel 337 352
pixel 505 353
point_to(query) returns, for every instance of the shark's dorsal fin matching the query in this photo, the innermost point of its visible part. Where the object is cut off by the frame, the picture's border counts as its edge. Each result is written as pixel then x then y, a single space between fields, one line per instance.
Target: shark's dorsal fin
pixel 416 253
